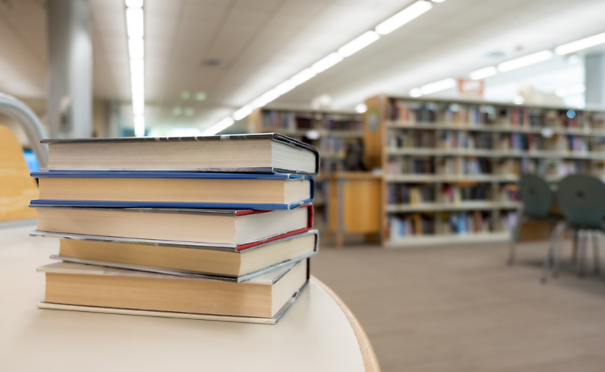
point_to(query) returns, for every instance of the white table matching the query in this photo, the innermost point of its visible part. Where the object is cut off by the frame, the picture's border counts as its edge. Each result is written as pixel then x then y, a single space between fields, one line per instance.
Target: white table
pixel 317 334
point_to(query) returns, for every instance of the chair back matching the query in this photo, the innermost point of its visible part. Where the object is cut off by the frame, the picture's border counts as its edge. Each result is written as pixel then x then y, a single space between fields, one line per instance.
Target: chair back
pixel 536 195
pixel 581 198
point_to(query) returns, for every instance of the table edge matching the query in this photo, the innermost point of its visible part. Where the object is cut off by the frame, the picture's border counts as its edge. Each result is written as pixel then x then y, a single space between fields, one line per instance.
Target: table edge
pixel 370 361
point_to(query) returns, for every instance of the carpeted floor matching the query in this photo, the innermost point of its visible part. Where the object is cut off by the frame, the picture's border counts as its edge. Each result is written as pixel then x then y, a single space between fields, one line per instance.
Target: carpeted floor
pixel 461 308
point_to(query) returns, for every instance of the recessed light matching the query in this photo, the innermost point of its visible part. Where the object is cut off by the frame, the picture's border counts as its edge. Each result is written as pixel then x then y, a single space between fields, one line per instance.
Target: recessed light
pixel 176 111
pixel 185 94
pixel 188 111
pixel 200 96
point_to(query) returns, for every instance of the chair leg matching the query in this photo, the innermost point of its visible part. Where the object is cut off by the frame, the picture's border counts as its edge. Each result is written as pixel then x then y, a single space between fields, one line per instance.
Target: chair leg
pixel 549 260
pixel 595 245
pixel 574 248
pixel 512 247
pixel 558 250
pixel 582 254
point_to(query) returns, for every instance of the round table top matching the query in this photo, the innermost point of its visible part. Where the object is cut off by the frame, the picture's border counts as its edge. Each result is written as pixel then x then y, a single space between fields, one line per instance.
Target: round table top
pixel 316 334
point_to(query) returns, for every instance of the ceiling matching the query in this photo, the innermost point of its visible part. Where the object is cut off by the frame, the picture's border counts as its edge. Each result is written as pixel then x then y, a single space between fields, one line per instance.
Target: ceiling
pixel 264 42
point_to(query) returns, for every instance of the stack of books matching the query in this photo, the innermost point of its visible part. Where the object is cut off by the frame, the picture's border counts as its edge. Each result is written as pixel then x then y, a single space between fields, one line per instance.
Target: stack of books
pixel 216 227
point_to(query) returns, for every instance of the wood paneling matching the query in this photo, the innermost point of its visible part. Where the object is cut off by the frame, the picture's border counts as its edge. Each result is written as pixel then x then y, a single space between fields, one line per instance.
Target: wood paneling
pixel 17 188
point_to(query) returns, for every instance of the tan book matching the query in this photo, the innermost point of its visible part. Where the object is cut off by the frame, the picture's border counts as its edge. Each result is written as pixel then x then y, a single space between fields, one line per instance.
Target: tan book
pixel 253 153
pixel 87 285
pixel 220 227
pixel 174 189
pixel 233 264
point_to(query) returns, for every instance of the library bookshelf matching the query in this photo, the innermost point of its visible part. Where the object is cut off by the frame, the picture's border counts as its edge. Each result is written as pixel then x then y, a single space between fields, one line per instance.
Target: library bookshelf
pixel 332 132
pixel 450 168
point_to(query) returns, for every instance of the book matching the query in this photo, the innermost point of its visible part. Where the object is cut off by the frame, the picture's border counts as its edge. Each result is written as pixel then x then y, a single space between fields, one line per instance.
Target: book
pixel 216 227
pixel 174 190
pixel 237 264
pixel 249 153
pixel 87 285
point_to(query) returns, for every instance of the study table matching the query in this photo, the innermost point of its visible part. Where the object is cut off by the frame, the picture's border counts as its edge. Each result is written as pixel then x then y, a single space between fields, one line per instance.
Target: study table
pixel 319 333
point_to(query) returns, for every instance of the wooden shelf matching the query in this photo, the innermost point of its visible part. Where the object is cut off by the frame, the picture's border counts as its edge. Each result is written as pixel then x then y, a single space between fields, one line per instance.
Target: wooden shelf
pixel 452 178
pixel 428 240
pixel 463 206
pixel 493 128
pixel 495 153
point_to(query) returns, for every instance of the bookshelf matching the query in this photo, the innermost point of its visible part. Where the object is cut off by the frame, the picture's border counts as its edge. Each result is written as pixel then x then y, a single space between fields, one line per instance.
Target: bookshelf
pixel 337 135
pixel 450 167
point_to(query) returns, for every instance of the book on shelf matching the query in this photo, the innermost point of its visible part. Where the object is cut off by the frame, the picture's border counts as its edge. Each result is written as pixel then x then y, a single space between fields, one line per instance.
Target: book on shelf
pixel 174 189
pixel 242 153
pixel 236 264
pixel 222 227
pixel 267 296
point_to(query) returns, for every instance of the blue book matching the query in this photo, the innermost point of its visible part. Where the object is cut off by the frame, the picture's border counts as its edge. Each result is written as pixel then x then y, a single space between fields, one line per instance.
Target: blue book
pixel 174 190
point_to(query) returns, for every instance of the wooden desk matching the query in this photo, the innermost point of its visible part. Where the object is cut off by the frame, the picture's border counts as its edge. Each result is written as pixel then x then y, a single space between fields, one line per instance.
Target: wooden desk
pixel 317 334
pixel 354 204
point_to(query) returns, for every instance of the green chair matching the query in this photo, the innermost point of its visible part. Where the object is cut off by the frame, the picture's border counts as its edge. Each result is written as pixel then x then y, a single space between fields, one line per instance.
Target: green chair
pixel 581 199
pixel 537 199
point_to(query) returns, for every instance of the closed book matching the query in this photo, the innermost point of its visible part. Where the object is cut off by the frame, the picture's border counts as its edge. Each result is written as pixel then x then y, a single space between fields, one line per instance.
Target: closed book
pixel 251 153
pixel 174 190
pixel 236 264
pixel 215 227
pixel 266 296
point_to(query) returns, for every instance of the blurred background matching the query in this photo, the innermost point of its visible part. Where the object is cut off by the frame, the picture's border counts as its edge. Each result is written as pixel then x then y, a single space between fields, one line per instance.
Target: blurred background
pixel 446 130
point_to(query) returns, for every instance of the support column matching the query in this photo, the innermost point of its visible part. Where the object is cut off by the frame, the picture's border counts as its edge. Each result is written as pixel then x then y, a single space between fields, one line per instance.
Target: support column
pixel 594 66
pixel 69 101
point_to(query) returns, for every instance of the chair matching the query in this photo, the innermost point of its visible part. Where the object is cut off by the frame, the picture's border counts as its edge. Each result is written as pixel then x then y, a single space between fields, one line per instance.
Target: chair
pixel 537 200
pixel 581 199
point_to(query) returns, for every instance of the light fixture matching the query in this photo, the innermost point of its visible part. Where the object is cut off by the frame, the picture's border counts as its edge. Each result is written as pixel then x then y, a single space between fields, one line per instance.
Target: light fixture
pixel 411 12
pixel 136 51
pixel 361 108
pixel 326 62
pixel 525 61
pixel 302 76
pixel 415 92
pixel 580 44
pixel 200 96
pixel 568 91
pixel 483 73
pixel 185 94
pixel 189 111
pixel 221 125
pixel 367 38
pixel 358 44
pixel 438 86
pixel 517 100
pixel 176 111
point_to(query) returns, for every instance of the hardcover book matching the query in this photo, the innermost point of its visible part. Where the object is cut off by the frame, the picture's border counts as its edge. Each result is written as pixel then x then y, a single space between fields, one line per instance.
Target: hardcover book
pixel 174 190
pixel 202 227
pixel 268 296
pixel 250 153
pixel 236 264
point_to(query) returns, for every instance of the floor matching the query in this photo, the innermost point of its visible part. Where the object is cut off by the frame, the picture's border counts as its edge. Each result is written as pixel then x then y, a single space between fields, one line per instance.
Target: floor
pixel 460 308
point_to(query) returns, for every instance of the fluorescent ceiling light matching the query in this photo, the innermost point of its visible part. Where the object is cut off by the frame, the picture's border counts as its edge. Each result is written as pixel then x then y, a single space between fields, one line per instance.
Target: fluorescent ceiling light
pixel 580 44
pixel 243 112
pixel 134 23
pixel 358 44
pixel 302 76
pixel 221 125
pixel 323 64
pixel 525 61
pixel 361 108
pixel 139 125
pixel 327 62
pixel 415 92
pixel 568 91
pixel 403 17
pixel 134 3
pixel 136 49
pixel 483 73
pixel 284 87
pixel 438 86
